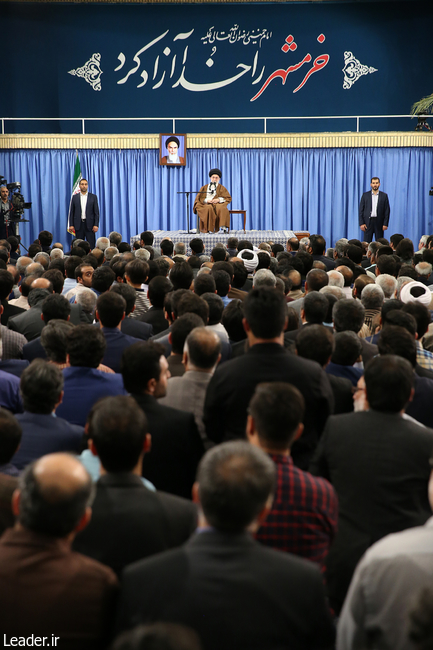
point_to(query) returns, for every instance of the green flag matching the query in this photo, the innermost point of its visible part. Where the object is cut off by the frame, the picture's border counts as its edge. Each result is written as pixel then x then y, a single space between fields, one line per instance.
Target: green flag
pixel 75 186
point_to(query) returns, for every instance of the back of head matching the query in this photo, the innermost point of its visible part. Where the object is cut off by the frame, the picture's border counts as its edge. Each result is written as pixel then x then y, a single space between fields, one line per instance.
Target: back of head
pixel 348 315
pixel 347 348
pixel 203 347
pixel 196 245
pixel 401 319
pixel 190 303
pixel 115 238
pixel 54 494
pixel 317 244
pixel 316 279
pixel 110 252
pixel 222 282
pixel 55 306
pixel 232 320
pixel 396 239
pixel 264 278
pixel 404 249
pixel 181 276
pixel 158 288
pixel 354 253
pixel 387 283
pixel 265 312
pixel 388 264
pixel 137 271
pixel 85 346
pixel 147 237
pixel 219 254
pixel 10 436
pixel 71 264
pixel 240 275
pixel 6 284
pixel 167 247
pixel 102 278
pixel 102 243
pixel 372 297
pixel 128 294
pixel 277 409
pixel 53 339
pixel 159 636
pixel 55 276
pixel 110 308
pixel 41 385
pixel 235 481
pixel 118 427
pixel 336 279
pixel 204 283
pixel 216 307
pixel 316 343
pixel 421 314
pixel 246 244
pixel 389 380
pixel 181 328
pixel 140 364
pixel 397 340
pixel 315 307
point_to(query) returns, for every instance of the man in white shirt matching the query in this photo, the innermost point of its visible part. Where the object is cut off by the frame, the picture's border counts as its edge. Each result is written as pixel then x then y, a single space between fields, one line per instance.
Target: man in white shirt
pixel 84 214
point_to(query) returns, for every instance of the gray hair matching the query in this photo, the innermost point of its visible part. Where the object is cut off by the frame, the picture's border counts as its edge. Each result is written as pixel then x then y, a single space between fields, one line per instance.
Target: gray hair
pixel 87 299
pixel 115 238
pixel 142 254
pixel 336 279
pixel 341 246
pixel 423 240
pixel 264 278
pixel 424 269
pixel 401 281
pixel 333 291
pixel 388 284
pixel 102 243
pixel 235 481
pixel 179 248
pixel 110 252
pixel 56 254
pixel 204 269
pixel 372 296
pixel 22 267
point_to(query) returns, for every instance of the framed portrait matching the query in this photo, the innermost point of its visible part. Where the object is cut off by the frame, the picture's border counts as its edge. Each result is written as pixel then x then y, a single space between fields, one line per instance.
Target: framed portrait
pixel 172 149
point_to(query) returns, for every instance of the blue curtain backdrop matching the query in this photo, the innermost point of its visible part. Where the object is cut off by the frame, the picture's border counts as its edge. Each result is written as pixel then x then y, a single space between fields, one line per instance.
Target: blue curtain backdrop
pixel 298 189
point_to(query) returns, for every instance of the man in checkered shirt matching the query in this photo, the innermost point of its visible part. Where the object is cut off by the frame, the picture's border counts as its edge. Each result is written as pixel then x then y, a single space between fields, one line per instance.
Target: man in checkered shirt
pixel 303 517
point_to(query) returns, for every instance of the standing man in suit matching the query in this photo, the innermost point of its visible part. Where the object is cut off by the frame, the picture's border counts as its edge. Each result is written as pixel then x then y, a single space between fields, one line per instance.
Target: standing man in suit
pixel 374 211
pixel 84 214
pixel 232 591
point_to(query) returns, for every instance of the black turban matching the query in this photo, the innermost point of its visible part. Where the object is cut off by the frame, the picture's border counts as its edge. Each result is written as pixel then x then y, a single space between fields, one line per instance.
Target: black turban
pixel 172 139
pixel 215 171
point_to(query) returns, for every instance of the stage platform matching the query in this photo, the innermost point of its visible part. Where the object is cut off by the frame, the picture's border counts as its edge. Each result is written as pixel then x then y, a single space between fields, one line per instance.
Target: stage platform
pixel 212 238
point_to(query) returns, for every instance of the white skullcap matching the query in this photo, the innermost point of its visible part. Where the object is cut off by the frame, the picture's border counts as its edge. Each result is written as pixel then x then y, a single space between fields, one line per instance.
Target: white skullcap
pixel 406 294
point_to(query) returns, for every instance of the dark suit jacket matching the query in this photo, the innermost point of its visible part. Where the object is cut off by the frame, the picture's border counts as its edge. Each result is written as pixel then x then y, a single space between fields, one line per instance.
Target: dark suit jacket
pixel 137 329
pixel 116 341
pixel 30 323
pixel 234 383
pixel 177 447
pixel 155 316
pixel 383 209
pixel 45 434
pixel 8 485
pixel 143 522
pixel 92 212
pixel 83 387
pixel 235 593
pixel 378 464
pixel 9 311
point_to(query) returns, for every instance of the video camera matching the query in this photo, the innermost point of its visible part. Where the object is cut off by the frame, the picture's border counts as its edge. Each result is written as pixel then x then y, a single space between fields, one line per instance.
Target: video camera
pixel 16 199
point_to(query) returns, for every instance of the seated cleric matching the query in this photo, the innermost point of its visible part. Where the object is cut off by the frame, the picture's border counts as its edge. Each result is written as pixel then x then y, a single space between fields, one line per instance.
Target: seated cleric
pixel 172 145
pixel 211 204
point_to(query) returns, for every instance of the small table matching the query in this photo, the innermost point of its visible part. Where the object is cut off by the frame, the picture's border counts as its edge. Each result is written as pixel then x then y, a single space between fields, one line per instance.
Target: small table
pixel 244 212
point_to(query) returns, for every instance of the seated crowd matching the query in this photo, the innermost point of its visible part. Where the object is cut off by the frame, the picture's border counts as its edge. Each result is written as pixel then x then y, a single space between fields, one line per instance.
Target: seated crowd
pixel 226 449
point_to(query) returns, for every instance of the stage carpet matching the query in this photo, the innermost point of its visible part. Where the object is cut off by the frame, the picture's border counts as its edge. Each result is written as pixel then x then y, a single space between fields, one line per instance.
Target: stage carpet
pixel 210 239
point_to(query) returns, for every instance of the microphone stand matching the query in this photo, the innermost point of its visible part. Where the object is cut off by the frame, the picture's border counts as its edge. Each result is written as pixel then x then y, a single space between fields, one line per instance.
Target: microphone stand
pixel 187 193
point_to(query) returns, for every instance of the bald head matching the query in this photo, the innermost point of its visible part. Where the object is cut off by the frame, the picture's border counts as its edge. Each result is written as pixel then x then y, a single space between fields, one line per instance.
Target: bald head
pixel 34 269
pixel 346 273
pixel 54 496
pixel 202 349
pixel 42 283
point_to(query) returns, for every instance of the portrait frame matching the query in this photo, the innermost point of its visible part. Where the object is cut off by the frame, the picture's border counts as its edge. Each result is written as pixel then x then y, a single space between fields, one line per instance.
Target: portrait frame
pixel 164 139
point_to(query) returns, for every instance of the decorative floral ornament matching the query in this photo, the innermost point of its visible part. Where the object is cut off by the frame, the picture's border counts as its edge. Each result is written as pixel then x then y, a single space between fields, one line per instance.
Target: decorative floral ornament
pixel 91 71
pixel 353 70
